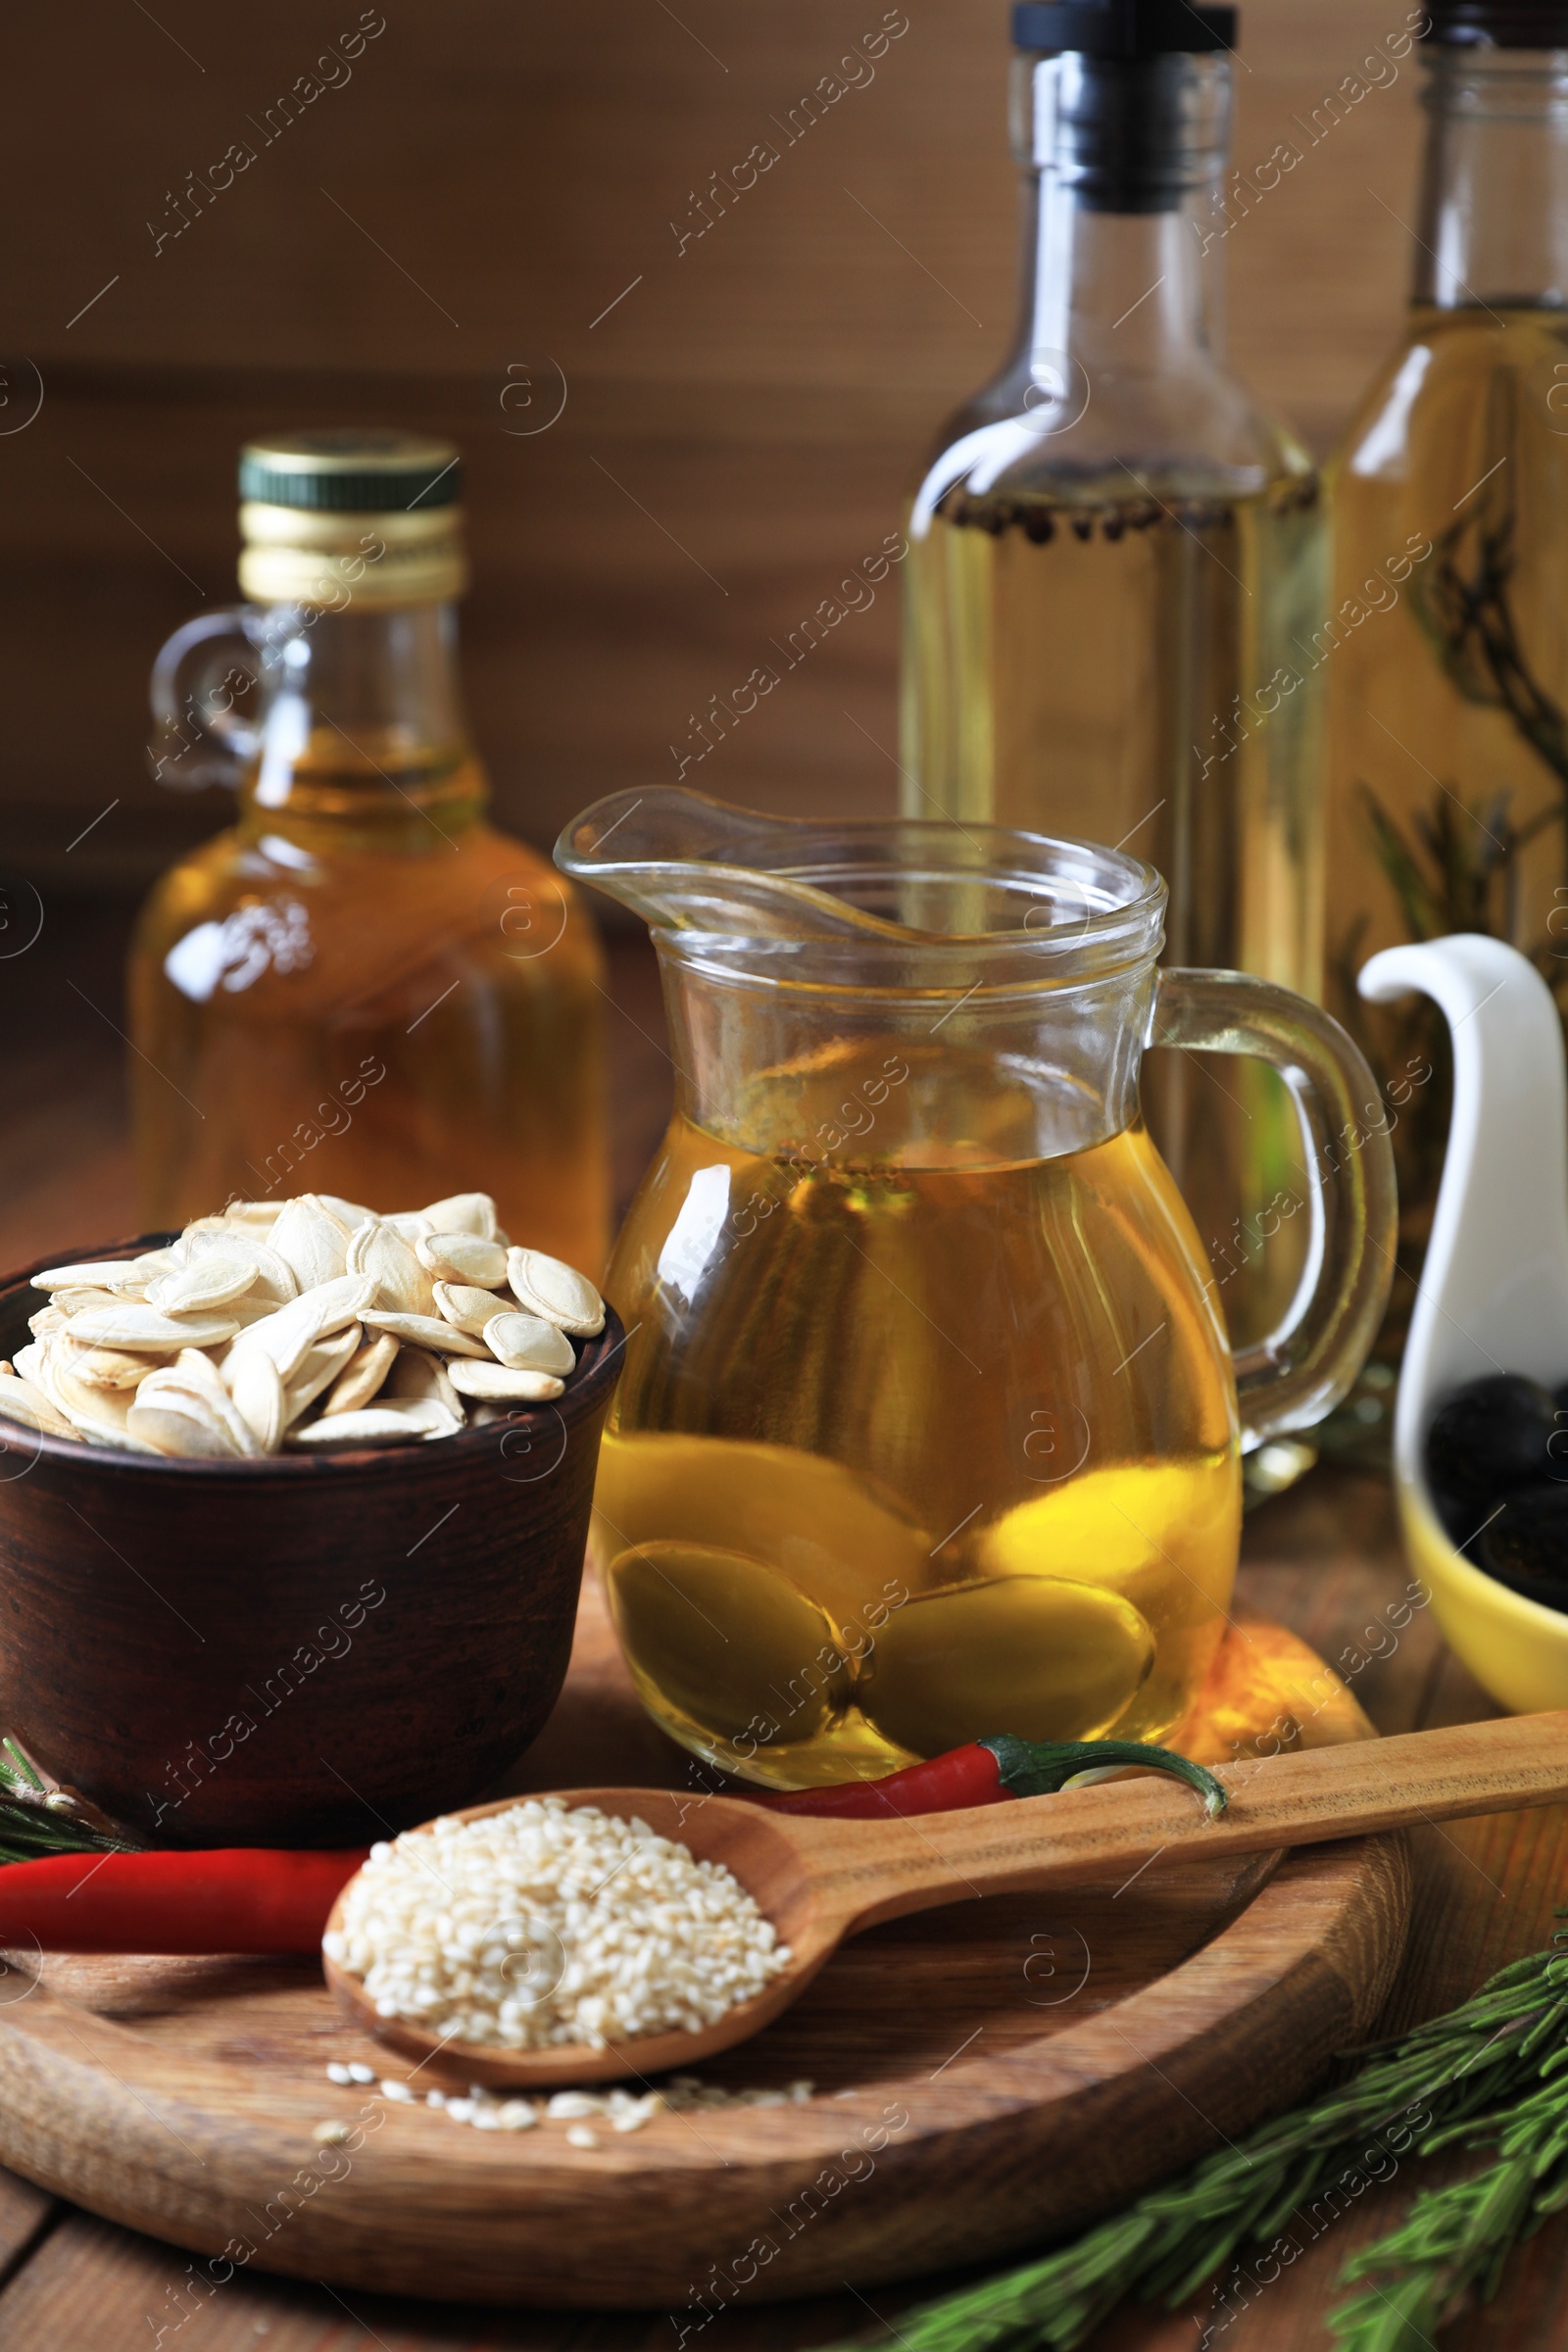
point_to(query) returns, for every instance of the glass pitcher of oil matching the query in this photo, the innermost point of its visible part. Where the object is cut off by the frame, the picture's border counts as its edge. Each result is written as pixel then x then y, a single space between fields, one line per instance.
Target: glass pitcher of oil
pixel 929 1427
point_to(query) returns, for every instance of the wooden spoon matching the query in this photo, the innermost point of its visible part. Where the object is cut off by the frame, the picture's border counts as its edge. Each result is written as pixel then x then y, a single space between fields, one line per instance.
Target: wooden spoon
pixel 821 1881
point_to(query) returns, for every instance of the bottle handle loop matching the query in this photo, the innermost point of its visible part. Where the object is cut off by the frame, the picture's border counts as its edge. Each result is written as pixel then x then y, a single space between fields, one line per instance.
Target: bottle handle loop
pixel 1306 1366
pixel 199 737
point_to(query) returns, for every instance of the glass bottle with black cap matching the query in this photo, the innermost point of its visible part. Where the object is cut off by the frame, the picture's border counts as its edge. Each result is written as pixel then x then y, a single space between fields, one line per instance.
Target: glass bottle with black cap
pixel 361 987
pixel 1113 555
pixel 1445 648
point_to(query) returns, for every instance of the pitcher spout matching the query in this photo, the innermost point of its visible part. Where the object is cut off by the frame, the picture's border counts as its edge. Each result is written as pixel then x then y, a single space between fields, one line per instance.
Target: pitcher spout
pixel 685 863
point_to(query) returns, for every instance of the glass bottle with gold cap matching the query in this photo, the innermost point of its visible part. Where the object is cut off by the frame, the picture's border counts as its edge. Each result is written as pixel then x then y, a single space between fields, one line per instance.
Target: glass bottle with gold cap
pixel 360 988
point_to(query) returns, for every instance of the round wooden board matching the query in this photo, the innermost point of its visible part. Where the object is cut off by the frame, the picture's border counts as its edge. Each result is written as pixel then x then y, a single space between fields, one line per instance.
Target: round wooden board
pixel 984 2076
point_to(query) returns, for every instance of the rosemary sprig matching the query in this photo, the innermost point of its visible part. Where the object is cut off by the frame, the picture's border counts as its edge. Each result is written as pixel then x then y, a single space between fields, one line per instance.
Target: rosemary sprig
pixel 1496 2068
pixel 1453 865
pixel 36 1821
pixel 1456 2239
pixel 1464 600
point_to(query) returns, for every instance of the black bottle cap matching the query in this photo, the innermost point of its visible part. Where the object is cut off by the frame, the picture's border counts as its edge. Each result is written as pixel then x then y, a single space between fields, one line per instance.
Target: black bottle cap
pixel 1497 24
pixel 1127 29
pixel 347 469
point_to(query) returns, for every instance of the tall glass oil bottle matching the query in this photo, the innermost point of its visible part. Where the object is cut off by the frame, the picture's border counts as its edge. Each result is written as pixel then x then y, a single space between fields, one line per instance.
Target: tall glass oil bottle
pixel 1445 649
pixel 1115 560
pixel 360 988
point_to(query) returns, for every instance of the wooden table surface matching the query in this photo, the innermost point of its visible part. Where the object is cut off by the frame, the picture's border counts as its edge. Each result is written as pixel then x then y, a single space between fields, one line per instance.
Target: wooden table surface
pixel 1325 1559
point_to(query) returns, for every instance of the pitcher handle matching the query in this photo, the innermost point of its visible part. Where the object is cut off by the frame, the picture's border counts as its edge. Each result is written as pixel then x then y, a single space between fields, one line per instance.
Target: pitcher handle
pixel 1308 1362
pixel 198 738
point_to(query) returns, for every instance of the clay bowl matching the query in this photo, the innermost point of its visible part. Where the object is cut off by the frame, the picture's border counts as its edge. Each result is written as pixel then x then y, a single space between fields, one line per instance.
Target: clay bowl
pixel 300 1651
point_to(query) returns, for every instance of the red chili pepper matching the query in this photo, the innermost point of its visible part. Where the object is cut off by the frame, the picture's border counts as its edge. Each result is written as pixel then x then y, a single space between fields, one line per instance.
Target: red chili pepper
pixel 262 1900
pixel 232 1898
pixel 964 1776
pixel 983 1772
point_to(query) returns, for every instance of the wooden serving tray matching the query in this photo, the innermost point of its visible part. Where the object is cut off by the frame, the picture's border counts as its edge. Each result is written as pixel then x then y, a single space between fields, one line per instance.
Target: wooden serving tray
pixel 985 2077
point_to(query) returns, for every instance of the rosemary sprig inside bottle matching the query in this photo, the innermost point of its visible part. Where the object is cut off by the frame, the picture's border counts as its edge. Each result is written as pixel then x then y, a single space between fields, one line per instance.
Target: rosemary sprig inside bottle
pixel 1490 2073
pixel 1459 861
pixel 37 1820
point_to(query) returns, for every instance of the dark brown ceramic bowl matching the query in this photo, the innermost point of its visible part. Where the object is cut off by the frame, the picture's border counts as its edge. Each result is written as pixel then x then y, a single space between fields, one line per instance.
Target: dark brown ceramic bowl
pixel 305 1650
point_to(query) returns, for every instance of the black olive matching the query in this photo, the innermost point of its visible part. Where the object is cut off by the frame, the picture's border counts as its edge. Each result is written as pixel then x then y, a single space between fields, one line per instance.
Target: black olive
pixel 1462 1516
pixel 1526 1546
pixel 1492 1437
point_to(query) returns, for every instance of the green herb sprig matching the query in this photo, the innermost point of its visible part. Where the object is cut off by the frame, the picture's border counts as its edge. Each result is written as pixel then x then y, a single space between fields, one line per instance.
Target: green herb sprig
pixel 1459 863
pixel 36 1821
pixel 1493 2071
pixel 1456 2239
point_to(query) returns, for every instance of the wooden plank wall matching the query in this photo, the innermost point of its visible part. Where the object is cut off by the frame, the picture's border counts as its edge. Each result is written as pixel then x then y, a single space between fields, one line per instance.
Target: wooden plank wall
pixel 477 216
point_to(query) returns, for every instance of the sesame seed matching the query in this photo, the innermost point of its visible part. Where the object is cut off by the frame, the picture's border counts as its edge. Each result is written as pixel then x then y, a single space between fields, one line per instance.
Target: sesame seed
pixel 546 1926
pixel 484 2111
pixel 569 2106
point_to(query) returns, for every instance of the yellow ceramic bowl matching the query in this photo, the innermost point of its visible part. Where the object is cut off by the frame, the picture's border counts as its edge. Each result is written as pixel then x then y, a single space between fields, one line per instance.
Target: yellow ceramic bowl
pixel 1516 1650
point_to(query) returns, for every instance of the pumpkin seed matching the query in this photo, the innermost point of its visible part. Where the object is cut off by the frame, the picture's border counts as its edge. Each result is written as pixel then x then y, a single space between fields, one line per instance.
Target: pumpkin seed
pixel 77 1302
pixel 313 1323
pixel 110 1368
pixel 462 1258
pixel 362 1375
pixel 464 1212
pixel 274 1279
pixel 176 1420
pixel 120 1275
pixel 409 1418
pixel 21 1401
pixel 465 1307
pixel 253 1217
pixel 426 1330
pixel 287 1335
pixel 153 1262
pixel 529 1344
pixel 310 1241
pixel 210 1282
pixel 348 1214
pixel 195 1376
pixel 420 1374
pixel 256 1388
pixel 252 1308
pixel 316 1370
pixel 100 1415
pixel 493 1380
pixel 408 1224
pixel 132 1324
pixel 544 1287
pixel 402 1285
